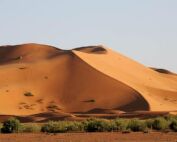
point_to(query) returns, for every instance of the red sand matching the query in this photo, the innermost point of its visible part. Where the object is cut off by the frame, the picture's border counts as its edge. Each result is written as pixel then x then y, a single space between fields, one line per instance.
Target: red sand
pixel 74 84
pixel 90 137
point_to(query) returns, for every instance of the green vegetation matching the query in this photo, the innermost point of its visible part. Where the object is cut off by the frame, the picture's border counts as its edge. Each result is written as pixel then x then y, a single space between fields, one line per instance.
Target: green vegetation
pixel 1 126
pixel 97 125
pixel 149 123
pixel 61 126
pixel 173 125
pixel 120 124
pixel 28 94
pixel 137 125
pixel 160 123
pixel 165 124
pixel 30 128
pixel 12 125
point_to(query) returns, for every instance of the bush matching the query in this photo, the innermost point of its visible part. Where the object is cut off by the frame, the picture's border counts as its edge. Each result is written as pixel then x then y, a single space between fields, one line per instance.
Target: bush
pixel 12 125
pixel 137 125
pixel 1 126
pixel 170 118
pixel 97 125
pixel 149 123
pixel 54 127
pixel 62 126
pixel 120 124
pixel 75 126
pixel 30 128
pixel 166 123
pixel 173 125
pixel 160 124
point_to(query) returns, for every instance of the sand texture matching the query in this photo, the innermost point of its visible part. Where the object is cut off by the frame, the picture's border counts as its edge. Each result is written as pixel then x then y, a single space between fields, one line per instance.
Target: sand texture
pixel 40 82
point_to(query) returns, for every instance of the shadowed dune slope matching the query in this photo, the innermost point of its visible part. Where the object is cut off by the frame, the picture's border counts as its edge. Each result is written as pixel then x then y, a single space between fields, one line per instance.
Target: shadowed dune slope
pixel 26 53
pixel 37 79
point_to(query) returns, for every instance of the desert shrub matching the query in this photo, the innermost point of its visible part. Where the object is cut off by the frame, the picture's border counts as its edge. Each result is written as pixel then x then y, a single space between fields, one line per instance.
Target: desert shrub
pixel 160 123
pixel 120 124
pixel 173 125
pixel 97 125
pixel 30 128
pixel 62 126
pixel 1 126
pixel 75 126
pixel 136 125
pixel 170 118
pixel 28 94
pixel 53 127
pixel 12 125
pixel 149 123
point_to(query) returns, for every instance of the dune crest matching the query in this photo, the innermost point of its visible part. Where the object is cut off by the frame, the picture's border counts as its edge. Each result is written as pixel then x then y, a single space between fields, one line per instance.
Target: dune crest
pixel 41 79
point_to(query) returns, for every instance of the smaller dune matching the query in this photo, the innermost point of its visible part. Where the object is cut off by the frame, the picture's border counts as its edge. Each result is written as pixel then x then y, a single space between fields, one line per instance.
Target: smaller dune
pixel 27 53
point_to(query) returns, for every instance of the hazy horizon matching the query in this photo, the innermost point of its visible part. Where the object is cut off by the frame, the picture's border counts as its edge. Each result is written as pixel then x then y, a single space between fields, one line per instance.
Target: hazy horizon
pixel 145 31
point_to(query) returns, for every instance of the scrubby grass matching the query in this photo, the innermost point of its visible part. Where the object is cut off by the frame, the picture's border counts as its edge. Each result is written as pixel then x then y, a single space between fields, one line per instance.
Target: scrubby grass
pixel 173 125
pixel 165 124
pixel 97 125
pixel 149 123
pixel 30 128
pixel 137 125
pixel 160 123
pixel 1 126
pixel 61 126
pixel 120 124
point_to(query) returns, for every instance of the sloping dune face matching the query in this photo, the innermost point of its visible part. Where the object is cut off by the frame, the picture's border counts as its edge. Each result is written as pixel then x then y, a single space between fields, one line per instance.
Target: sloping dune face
pixel 38 79
pixel 159 90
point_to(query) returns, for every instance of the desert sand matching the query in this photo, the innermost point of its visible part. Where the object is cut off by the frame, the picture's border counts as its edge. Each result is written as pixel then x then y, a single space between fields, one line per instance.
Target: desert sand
pixel 91 137
pixel 41 82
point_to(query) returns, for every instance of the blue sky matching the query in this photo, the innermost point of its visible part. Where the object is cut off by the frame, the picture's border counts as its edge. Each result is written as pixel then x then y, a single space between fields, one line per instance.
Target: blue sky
pixel 145 30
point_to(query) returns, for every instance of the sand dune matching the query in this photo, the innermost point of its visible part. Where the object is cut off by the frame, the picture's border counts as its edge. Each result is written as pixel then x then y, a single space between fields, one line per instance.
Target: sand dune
pixel 40 79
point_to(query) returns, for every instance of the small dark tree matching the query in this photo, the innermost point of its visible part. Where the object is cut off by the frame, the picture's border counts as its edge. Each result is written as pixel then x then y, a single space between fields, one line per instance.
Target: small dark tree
pixel 11 125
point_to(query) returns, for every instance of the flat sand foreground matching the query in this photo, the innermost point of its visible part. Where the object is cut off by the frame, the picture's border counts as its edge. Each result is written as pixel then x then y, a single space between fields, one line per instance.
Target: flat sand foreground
pixel 90 137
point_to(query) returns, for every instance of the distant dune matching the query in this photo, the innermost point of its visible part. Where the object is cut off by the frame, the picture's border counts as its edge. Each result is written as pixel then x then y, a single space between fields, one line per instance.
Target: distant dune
pixel 40 82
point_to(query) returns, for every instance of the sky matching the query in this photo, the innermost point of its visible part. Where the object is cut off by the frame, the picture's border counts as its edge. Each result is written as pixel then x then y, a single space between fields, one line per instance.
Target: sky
pixel 144 30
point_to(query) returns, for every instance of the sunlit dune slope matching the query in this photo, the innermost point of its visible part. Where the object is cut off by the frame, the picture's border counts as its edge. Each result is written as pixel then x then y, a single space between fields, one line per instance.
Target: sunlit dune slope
pixel 38 79
pixel 158 90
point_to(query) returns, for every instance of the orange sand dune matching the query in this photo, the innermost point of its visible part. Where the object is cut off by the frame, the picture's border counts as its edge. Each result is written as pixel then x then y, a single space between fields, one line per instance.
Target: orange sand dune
pixel 40 79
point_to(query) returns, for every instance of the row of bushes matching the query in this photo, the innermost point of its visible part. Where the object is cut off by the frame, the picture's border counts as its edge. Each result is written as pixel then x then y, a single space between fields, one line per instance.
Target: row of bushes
pixel 13 125
pixel 93 125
